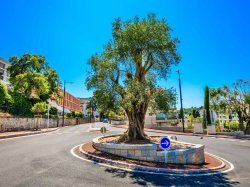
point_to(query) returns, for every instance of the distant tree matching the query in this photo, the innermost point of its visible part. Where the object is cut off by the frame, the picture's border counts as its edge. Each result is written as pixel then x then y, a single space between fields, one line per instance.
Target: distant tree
pixel 206 114
pixel 195 113
pixel 38 109
pixel 140 53
pixel 30 75
pixel 91 106
pixel 233 99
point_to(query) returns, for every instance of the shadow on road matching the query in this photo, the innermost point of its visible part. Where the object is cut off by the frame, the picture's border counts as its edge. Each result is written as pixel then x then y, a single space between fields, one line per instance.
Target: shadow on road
pixel 160 180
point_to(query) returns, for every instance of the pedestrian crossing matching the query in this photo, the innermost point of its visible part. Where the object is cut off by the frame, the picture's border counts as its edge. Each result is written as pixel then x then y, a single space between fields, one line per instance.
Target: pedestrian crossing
pixel 232 140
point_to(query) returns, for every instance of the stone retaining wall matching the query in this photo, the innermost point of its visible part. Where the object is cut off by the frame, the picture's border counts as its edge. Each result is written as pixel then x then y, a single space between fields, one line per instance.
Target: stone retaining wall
pixel 17 124
pixel 151 152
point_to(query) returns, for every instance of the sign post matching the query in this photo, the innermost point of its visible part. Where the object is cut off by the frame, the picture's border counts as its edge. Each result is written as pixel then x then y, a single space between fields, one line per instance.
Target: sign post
pixel 103 130
pixel 165 144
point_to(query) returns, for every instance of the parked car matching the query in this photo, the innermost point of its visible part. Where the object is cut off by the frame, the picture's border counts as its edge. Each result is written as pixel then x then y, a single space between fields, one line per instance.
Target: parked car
pixel 105 120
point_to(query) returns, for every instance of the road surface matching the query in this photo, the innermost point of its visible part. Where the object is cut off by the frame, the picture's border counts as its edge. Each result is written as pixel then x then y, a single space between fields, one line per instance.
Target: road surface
pixel 45 160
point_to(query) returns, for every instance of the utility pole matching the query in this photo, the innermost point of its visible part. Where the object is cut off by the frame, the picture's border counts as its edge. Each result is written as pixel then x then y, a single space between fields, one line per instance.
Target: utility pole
pixel 64 87
pixel 64 93
pixel 181 112
pixel 48 114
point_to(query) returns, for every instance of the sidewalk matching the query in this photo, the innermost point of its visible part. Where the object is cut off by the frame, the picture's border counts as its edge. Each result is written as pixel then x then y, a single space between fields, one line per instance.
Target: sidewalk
pixel 5 135
pixel 245 137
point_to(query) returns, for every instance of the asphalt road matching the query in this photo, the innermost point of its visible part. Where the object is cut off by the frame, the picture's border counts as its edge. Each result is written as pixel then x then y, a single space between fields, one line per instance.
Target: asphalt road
pixel 45 160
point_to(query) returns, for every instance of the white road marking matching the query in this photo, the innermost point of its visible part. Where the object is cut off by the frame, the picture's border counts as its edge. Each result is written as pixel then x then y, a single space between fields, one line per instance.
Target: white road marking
pixel 232 140
pixel 5 139
pixel 157 173
pixel 222 138
pixel 242 141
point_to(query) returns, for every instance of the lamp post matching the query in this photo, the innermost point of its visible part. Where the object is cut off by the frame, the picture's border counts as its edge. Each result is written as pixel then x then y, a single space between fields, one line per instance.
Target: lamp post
pixel 64 93
pixel 48 114
pixel 181 112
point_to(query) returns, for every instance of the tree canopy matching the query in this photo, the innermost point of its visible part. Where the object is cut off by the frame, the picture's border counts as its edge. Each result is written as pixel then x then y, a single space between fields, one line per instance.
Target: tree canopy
pixel 140 52
pixel 31 76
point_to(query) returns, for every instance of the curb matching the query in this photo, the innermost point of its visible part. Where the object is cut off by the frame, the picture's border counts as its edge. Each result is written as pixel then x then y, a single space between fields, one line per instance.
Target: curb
pixel 27 134
pixel 189 134
pixel 150 168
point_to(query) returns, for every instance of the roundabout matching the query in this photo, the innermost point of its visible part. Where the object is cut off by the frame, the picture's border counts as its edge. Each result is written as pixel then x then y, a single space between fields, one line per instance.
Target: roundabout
pixel 95 153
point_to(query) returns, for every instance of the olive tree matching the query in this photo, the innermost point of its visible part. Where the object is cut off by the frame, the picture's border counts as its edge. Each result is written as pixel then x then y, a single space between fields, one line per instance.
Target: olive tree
pixel 139 54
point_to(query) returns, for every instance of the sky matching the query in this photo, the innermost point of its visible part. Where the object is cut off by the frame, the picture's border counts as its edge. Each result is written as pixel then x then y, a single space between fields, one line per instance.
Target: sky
pixel 214 37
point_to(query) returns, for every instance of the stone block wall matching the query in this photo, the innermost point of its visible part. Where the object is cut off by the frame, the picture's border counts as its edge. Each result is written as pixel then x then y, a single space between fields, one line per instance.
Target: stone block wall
pixel 17 124
pixel 151 152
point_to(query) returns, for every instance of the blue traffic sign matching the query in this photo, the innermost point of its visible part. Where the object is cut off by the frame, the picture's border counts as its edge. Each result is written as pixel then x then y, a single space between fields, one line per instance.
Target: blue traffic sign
pixel 165 143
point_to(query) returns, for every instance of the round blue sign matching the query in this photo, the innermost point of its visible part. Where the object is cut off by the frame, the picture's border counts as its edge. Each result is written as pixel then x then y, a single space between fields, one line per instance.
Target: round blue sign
pixel 165 143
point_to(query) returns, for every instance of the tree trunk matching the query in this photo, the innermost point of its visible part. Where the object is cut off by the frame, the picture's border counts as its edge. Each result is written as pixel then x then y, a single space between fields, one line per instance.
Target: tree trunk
pixel 247 130
pixel 135 129
pixel 241 124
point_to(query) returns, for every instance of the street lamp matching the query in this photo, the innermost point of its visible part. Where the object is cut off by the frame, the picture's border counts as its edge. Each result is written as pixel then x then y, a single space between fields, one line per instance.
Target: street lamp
pixel 64 90
pixel 181 112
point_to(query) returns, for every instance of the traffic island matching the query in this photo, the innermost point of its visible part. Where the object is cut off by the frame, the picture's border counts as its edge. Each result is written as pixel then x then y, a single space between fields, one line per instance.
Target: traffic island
pixel 211 163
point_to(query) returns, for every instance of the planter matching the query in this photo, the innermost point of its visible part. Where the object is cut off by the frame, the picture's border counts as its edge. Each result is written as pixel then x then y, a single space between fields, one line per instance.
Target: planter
pixel 237 133
pixel 211 129
pixel 198 128
pixel 194 154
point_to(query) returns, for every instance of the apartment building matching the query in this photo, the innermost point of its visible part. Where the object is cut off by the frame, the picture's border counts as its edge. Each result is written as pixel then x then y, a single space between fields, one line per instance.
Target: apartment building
pixel 227 117
pixel 71 103
pixel 83 104
pixel 4 75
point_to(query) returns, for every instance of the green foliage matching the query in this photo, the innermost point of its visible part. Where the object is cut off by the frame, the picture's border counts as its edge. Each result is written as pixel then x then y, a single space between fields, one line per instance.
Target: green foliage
pixel 5 97
pixel 39 108
pixel 196 113
pixel 164 100
pixel 105 102
pixel 31 84
pixel 233 99
pixel 20 105
pixel 53 111
pixel 217 122
pixel 31 76
pixel 74 114
pixel 207 117
pixel 71 114
pixel 231 125
pixel 92 104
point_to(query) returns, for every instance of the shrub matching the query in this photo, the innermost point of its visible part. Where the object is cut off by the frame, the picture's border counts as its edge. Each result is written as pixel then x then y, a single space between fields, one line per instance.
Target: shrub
pixel 4 95
pixel 234 125
pixel 20 105
pixel 39 108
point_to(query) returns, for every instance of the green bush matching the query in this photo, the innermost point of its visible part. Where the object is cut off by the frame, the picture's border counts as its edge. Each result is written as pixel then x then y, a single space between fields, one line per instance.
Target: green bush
pixel 74 114
pixel 20 106
pixel 4 95
pixel 234 125
pixel 217 122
